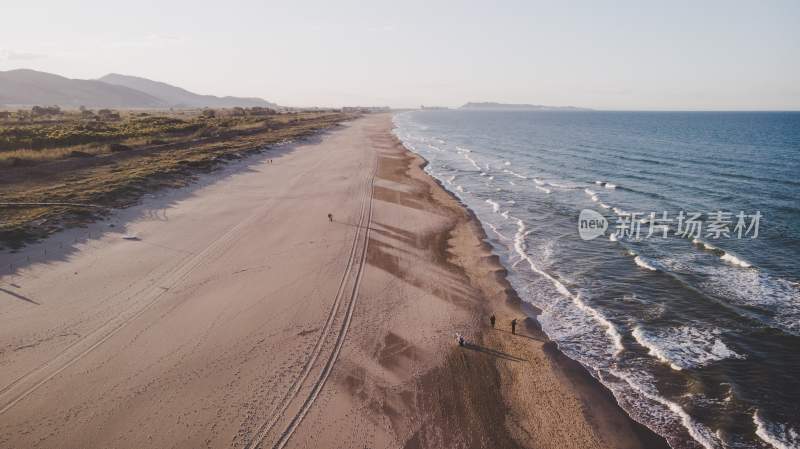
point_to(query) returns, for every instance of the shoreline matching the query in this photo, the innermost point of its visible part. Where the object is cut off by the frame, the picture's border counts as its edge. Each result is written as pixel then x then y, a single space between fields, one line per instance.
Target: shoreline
pixel 612 424
pixel 228 318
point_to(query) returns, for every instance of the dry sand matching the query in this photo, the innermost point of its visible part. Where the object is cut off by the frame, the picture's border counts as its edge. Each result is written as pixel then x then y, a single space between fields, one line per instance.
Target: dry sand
pixel 242 317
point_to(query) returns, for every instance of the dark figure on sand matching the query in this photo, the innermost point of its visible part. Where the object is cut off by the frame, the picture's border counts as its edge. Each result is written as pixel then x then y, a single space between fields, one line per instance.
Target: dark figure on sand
pixel 514 326
pixel 460 339
pixel 330 217
pixel 492 320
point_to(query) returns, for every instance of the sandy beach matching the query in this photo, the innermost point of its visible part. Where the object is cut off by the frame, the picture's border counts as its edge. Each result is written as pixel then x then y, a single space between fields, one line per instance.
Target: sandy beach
pixel 236 314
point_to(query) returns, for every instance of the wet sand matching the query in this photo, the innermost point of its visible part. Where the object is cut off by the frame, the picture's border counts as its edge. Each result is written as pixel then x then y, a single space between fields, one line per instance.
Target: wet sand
pixel 239 316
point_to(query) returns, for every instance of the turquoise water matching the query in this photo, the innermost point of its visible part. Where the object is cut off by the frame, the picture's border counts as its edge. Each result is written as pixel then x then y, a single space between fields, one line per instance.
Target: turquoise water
pixel 697 335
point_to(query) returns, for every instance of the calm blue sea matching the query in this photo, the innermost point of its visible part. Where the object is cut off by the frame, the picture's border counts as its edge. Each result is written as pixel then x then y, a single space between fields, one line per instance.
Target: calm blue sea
pixel 697 334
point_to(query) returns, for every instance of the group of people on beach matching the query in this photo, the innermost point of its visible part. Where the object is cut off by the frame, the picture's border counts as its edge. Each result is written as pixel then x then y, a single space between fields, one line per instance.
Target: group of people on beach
pixel 461 340
pixel 493 319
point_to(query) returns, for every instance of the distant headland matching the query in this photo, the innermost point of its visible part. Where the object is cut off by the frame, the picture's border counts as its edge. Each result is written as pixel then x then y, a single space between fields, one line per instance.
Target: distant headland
pixel 492 106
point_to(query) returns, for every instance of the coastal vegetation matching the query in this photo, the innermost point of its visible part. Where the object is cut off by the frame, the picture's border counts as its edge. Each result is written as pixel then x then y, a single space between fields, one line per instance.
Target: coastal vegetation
pixel 62 168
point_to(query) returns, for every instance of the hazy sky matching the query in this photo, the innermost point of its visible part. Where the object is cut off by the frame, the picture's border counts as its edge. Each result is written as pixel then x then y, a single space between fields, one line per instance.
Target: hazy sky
pixel 616 55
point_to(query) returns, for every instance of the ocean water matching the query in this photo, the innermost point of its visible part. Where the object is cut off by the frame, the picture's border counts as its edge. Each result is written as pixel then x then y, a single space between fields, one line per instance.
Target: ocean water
pixel 697 336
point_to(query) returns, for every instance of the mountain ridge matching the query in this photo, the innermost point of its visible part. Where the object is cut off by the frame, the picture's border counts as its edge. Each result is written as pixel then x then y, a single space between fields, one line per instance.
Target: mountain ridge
pixel 179 97
pixel 30 87
pixel 27 87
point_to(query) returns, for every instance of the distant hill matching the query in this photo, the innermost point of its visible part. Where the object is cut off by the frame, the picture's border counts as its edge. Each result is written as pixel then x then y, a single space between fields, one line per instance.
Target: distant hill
pixel 491 106
pixel 29 87
pixel 181 98
pixel 24 87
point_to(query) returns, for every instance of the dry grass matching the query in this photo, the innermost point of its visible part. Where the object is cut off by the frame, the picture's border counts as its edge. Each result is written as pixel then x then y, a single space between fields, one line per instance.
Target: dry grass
pixel 118 179
pixel 23 156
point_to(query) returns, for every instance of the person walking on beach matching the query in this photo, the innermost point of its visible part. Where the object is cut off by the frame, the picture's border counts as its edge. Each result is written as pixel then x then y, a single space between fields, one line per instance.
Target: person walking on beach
pixel 492 320
pixel 330 218
pixel 514 326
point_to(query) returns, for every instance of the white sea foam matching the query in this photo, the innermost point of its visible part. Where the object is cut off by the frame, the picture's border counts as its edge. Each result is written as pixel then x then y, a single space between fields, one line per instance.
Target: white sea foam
pixel 513 173
pixel 460 189
pixel 543 189
pixel 606 184
pixel 592 194
pixel 605 206
pixel 652 349
pixel 612 237
pixel 472 161
pixel 684 347
pixel 727 257
pixel 644 263
pixel 697 431
pixel 495 206
pixel 704 245
pixel 779 436
pixel 512 183
pixel 463 150
pixel 724 255
pixel 491 178
pixel 611 330
pixel 562 185
pixel 664 414
pixel 778 297
pixel 619 211
pixel 496 231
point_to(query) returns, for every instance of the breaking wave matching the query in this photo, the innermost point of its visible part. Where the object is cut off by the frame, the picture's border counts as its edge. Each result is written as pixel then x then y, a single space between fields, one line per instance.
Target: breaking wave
pixel 779 436
pixel 684 347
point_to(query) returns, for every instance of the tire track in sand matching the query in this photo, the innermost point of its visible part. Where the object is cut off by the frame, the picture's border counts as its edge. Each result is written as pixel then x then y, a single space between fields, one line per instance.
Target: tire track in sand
pixel 30 382
pixel 364 223
pixel 20 388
